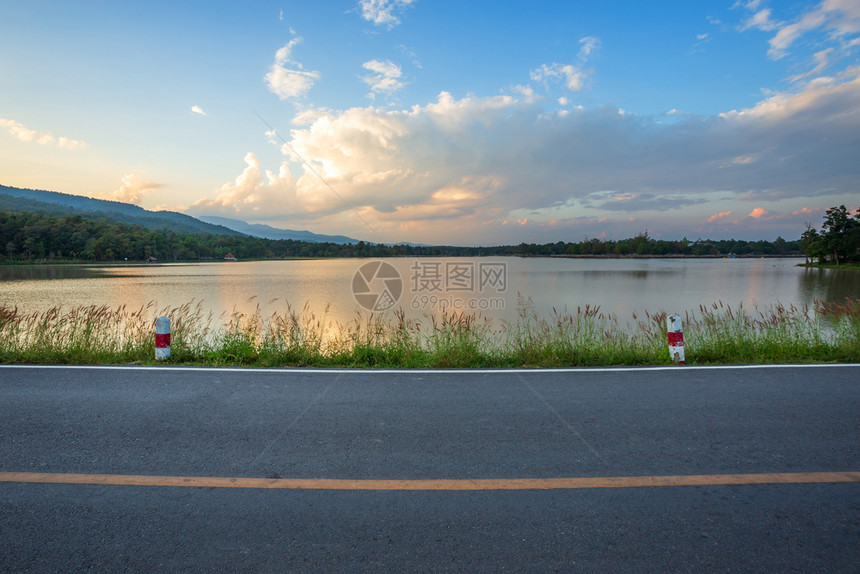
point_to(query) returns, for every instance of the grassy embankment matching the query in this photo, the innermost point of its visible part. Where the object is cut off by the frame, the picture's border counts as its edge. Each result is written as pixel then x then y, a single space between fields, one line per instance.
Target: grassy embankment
pixel 713 334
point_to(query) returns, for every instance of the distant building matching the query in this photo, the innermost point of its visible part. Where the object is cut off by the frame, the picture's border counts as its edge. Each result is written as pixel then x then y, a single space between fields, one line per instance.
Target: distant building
pixel 230 257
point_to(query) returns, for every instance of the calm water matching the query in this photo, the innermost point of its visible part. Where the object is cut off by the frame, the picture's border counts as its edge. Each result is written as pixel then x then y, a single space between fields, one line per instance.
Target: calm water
pixel 491 286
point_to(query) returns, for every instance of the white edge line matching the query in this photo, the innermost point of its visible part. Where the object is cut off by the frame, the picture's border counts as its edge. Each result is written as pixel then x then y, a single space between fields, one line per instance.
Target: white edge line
pixel 358 371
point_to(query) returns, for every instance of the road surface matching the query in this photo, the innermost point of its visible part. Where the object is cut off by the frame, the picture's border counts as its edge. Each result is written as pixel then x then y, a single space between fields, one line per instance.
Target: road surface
pixel 679 469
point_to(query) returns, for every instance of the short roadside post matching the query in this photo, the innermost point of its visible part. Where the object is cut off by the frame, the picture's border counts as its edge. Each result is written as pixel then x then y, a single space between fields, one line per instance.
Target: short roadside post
pixel 162 338
pixel 675 331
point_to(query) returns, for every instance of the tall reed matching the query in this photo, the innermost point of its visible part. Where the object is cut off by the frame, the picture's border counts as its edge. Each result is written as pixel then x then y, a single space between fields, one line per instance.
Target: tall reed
pixel 715 333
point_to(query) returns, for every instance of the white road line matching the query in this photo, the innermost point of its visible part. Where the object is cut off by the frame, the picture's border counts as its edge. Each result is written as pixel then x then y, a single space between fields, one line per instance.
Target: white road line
pixel 359 371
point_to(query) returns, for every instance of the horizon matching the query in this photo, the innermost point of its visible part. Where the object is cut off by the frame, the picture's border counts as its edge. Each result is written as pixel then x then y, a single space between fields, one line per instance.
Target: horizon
pixel 442 123
pixel 239 224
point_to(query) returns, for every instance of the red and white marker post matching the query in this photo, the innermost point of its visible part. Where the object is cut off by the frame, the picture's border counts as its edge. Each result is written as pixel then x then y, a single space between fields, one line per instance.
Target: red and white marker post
pixel 675 331
pixel 162 338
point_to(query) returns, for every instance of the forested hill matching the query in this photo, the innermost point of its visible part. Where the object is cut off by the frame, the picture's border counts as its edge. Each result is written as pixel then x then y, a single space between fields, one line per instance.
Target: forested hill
pixel 13 199
pixel 38 237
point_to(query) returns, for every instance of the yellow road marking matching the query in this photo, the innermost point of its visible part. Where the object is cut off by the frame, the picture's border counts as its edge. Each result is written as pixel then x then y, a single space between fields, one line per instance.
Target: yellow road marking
pixel 433 484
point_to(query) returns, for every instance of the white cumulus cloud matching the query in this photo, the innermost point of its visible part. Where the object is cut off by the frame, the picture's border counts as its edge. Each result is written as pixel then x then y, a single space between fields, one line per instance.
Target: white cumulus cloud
pixel 198 110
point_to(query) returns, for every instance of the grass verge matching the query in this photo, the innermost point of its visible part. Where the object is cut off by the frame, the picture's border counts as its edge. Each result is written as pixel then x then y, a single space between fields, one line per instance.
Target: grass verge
pixel 715 334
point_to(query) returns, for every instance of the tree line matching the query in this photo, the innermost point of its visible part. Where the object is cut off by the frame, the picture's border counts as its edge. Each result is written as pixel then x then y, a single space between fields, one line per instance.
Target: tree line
pixel 30 237
pixel 837 242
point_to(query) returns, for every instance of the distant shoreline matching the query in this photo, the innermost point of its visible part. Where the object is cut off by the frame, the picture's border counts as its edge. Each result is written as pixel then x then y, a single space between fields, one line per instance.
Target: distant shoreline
pixel 673 256
pixel 523 255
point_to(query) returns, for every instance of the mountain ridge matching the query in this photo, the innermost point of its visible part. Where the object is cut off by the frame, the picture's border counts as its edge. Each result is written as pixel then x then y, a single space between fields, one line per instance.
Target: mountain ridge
pixel 269 232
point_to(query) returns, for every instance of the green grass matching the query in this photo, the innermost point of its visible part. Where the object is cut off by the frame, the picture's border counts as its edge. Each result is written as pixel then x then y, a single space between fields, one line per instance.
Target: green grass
pixel 714 334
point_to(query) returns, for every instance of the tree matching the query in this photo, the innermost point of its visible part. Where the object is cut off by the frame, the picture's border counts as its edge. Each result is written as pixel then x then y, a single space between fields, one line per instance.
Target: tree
pixel 811 244
pixel 839 238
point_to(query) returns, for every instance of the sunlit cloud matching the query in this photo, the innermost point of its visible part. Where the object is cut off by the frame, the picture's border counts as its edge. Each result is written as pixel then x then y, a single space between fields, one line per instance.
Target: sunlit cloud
pixel 718 216
pixel 808 211
pixel 25 134
pixel 758 213
pixel 255 192
pixel 198 110
pixel 133 189
pixel 287 79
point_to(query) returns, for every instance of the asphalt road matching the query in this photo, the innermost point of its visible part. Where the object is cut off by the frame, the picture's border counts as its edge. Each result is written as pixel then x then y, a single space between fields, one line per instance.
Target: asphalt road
pixel 416 425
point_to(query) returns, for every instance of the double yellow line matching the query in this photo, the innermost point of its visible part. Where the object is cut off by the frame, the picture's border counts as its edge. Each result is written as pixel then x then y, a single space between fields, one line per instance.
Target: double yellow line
pixel 433 484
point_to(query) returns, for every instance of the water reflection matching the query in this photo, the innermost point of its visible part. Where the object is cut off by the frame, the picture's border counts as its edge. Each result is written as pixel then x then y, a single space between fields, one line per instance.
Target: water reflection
pixel 620 287
pixel 45 272
pixel 604 274
pixel 833 285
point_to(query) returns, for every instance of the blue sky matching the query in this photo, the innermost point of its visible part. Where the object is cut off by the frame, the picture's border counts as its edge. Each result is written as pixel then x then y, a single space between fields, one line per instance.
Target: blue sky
pixel 470 123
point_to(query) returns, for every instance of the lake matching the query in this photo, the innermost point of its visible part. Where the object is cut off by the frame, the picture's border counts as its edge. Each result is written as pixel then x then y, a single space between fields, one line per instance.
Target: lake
pixel 494 286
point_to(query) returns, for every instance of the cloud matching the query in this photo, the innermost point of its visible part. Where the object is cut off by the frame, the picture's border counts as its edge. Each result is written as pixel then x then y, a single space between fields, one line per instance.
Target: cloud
pixel 254 193
pixel 758 213
pixel 588 45
pixel 132 189
pixel 198 110
pixel 840 19
pixel 808 211
pixel 740 160
pixel 822 61
pixel 287 79
pixel 25 134
pixel 817 95
pixel 382 12
pixel 633 201
pixel 720 215
pixel 466 165
pixel 701 40
pixel 386 77
pixel 761 20
pixel 573 76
